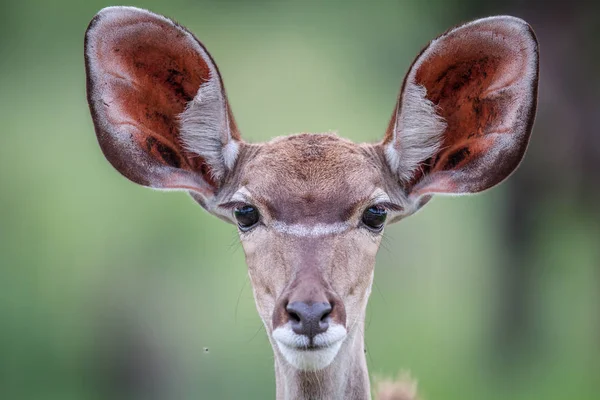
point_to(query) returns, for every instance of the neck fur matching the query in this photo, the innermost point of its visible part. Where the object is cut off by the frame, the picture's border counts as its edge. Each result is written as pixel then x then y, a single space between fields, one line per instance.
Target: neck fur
pixel 345 378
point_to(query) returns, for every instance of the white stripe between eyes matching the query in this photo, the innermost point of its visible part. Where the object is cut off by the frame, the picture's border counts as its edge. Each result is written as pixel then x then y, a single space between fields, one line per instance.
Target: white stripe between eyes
pixel 310 230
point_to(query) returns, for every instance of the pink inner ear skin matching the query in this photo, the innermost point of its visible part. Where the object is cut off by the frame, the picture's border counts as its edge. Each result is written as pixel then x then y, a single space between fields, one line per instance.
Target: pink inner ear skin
pixel 480 79
pixel 153 75
pixel 461 90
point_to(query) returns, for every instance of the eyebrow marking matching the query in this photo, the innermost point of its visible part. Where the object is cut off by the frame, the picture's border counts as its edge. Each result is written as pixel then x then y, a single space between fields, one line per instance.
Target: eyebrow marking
pixel 313 230
pixel 239 198
pixel 380 196
pixel 243 194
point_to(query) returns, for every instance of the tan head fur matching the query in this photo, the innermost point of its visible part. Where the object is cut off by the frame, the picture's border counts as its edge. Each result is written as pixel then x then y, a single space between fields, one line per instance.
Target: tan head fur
pixel 310 208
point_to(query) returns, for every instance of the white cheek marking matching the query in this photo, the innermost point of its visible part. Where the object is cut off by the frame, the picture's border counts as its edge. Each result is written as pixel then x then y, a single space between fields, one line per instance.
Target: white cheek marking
pixel 290 343
pixel 314 230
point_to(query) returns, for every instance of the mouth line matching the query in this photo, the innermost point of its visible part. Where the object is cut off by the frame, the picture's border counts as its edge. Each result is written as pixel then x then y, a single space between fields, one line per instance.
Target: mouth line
pixel 309 348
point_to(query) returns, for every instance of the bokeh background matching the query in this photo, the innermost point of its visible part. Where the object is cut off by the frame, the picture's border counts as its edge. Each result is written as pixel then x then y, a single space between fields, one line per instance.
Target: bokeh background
pixel 112 291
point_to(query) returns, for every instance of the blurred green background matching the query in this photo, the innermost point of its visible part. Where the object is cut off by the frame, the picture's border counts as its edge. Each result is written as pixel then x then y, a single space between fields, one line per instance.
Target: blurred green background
pixel 112 291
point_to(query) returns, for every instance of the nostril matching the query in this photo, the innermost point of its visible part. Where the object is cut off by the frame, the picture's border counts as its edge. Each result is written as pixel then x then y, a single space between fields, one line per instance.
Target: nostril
pixel 326 311
pixel 324 320
pixel 295 313
pixel 293 316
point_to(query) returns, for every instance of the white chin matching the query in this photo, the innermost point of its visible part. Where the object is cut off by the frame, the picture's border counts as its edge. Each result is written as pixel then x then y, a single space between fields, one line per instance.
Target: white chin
pixel 290 345
pixel 309 360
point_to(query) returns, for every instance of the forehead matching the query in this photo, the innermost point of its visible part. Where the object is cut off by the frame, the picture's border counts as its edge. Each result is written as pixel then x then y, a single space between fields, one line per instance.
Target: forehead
pixel 305 177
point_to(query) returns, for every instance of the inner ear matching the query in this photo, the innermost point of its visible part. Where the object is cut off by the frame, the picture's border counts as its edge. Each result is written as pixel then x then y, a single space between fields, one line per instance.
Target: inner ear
pixel 473 95
pixel 466 109
pixel 144 72
pixel 152 78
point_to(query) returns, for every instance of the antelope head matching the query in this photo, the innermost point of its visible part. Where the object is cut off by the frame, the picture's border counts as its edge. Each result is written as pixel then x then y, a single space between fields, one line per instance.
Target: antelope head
pixel 311 208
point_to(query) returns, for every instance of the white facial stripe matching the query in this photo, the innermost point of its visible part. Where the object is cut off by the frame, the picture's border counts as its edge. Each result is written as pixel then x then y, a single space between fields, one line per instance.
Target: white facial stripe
pixel 306 230
pixel 290 345
pixel 309 230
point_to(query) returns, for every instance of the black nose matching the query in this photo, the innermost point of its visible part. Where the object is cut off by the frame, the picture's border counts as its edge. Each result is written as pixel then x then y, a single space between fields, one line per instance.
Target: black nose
pixel 309 319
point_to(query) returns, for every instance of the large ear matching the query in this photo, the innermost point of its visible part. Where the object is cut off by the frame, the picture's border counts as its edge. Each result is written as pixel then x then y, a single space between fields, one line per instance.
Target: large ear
pixel 158 104
pixel 466 109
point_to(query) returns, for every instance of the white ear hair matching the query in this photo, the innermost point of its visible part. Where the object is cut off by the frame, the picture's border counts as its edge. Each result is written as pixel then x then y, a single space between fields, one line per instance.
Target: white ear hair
pixel 205 128
pixel 417 133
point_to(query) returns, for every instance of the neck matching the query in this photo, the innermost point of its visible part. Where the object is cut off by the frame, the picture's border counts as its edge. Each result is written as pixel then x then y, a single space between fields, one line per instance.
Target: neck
pixel 345 378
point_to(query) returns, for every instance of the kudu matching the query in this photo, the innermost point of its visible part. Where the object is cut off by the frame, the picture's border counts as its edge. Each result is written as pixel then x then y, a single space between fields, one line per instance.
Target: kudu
pixel 311 208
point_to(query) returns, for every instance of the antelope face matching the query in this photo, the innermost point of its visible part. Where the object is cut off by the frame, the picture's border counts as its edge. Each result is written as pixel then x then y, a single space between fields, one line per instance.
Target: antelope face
pixel 310 244
pixel 310 209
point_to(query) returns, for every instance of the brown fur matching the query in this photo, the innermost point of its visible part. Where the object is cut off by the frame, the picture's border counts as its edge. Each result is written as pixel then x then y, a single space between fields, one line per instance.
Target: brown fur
pixel 310 243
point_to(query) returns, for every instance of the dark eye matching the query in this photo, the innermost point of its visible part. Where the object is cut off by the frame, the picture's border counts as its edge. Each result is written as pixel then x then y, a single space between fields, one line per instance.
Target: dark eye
pixel 374 218
pixel 247 216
